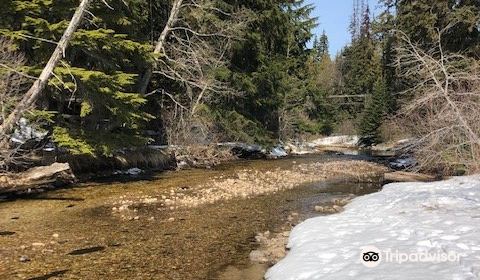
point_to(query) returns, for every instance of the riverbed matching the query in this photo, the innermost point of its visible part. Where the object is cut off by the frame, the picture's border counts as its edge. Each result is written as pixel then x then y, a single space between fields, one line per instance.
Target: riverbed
pixel 143 228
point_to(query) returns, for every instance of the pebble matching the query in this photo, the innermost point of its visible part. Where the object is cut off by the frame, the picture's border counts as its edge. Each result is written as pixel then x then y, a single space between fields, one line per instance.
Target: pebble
pixel 338 208
pixel 171 219
pixel 258 256
pixel 55 235
pixel 250 183
pixel 38 244
pixel 24 259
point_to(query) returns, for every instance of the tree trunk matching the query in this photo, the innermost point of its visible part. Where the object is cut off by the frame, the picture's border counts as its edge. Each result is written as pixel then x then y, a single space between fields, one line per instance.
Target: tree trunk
pixel 38 86
pixel 36 177
pixel 159 46
pixel 402 176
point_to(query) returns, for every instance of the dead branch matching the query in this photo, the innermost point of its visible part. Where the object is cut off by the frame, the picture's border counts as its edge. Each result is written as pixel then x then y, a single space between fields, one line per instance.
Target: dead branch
pixel 443 106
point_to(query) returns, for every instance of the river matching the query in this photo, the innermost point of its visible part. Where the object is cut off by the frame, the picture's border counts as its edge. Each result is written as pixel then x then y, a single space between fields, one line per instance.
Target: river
pixel 81 233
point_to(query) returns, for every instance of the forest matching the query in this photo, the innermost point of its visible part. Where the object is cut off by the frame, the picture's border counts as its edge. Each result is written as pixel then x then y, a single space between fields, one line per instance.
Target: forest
pixel 125 74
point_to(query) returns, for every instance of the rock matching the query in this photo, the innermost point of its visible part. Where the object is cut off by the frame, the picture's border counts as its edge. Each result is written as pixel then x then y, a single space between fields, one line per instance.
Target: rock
pixel 243 150
pixel 403 163
pixel 171 219
pixel 337 208
pixel 277 152
pixel 133 171
pixel 55 235
pixel 86 250
pixel 38 244
pixel 25 132
pixel 24 259
pixel 258 256
pixel 318 208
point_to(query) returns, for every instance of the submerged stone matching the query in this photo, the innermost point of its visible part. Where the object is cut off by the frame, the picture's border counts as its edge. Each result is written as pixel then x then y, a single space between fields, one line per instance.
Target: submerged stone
pixel 87 250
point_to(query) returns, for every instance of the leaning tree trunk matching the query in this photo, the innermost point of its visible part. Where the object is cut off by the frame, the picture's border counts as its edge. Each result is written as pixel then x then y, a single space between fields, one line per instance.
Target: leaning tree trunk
pixel 38 86
pixel 147 76
pixel 37 177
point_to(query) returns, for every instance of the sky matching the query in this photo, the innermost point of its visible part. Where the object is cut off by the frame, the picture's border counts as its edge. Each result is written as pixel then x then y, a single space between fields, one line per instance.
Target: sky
pixel 334 18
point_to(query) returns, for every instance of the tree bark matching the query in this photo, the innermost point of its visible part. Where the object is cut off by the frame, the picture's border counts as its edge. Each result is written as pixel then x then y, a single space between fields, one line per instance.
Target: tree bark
pixel 38 86
pixel 402 176
pixel 57 173
pixel 147 76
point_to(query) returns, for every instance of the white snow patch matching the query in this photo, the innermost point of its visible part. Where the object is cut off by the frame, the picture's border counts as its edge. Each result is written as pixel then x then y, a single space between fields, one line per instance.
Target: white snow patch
pixel 132 172
pixel 342 140
pixel 409 217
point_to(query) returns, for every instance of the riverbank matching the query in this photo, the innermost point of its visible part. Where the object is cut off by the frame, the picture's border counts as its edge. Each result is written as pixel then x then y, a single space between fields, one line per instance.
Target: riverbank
pixel 138 162
pixel 401 223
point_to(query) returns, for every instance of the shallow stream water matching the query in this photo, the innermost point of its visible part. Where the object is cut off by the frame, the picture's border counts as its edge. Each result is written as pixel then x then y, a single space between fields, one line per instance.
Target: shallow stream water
pixel 72 233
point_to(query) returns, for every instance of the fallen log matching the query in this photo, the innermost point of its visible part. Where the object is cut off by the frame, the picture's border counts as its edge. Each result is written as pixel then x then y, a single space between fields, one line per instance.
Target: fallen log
pixel 402 176
pixel 57 173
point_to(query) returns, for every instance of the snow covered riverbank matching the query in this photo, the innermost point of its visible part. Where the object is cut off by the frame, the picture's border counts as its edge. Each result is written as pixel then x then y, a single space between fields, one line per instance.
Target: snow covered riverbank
pixel 419 231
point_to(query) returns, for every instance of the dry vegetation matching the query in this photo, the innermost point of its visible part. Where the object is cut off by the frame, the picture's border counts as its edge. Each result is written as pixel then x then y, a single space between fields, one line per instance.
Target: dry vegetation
pixel 12 84
pixel 443 107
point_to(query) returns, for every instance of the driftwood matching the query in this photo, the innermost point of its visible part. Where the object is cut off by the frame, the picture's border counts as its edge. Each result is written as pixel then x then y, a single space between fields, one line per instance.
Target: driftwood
pixel 402 176
pixel 57 173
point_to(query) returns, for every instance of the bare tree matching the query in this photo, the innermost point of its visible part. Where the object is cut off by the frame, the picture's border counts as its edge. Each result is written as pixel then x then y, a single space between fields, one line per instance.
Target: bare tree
pixel 159 47
pixel 197 46
pixel 442 106
pixel 39 85
pixel 12 82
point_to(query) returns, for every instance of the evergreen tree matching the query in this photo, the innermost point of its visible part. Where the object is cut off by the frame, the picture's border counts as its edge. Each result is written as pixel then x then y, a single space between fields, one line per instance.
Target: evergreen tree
pixel 374 113
pixel 92 95
pixel 321 46
pixel 422 19
pixel 267 67
pixel 359 67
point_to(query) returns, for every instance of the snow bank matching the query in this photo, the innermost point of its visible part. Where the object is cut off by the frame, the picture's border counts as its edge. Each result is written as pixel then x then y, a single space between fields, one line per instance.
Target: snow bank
pixel 342 140
pixel 441 219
